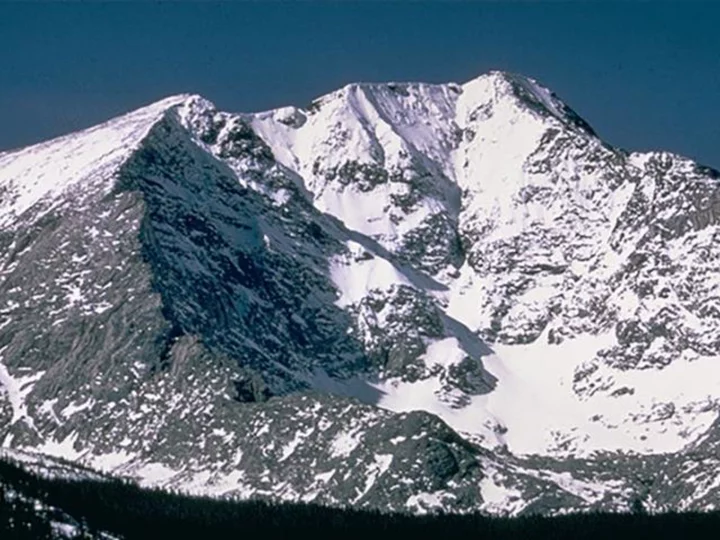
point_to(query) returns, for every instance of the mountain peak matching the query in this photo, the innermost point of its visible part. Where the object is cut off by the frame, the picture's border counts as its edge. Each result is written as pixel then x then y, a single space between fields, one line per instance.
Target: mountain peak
pixel 186 287
pixel 44 171
pixel 526 92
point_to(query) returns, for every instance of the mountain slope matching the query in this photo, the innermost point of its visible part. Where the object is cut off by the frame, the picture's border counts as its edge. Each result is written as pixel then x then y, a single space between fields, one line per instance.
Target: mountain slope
pixel 271 304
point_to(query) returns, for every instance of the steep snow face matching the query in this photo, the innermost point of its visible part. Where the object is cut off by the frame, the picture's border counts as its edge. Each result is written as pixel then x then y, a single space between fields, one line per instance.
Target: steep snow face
pixel 400 162
pixel 540 198
pixel 377 157
pixel 375 124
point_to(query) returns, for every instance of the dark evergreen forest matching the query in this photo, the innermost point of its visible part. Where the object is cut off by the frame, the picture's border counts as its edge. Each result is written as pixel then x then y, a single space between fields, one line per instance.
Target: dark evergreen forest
pixel 124 510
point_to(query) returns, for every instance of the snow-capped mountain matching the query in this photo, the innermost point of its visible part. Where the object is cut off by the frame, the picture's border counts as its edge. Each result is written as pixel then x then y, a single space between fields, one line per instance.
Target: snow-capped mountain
pixel 403 296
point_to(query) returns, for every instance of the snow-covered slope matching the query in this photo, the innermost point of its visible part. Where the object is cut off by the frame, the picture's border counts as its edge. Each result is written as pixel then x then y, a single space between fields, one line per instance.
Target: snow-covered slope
pixel 541 209
pixel 37 177
pixel 271 304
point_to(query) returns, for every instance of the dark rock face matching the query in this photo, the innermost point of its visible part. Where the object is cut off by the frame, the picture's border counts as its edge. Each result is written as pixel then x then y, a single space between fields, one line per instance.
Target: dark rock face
pixel 435 244
pixel 395 327
pixel 217 275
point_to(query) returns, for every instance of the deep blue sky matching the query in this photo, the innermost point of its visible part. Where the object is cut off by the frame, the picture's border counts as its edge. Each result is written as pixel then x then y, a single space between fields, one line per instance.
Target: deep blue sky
pixel 646 75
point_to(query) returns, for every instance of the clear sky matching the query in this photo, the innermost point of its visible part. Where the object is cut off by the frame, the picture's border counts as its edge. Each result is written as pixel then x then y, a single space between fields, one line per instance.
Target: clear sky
pixel 646 75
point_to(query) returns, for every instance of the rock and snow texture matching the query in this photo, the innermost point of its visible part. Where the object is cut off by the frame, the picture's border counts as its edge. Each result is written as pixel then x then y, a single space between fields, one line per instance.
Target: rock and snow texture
pixel 271 304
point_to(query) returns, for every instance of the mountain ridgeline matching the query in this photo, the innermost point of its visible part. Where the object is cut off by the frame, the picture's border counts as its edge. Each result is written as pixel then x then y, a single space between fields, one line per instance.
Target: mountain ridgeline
pixel 403 297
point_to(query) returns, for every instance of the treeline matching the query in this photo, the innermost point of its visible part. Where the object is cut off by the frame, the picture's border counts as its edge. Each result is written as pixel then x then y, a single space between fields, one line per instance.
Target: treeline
pixel 123 509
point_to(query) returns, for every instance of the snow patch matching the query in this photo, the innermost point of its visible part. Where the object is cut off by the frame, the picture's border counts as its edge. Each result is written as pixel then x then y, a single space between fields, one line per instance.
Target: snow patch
pixel 361 272
pixel 16 390
pixel 499 499
pixel 345 442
